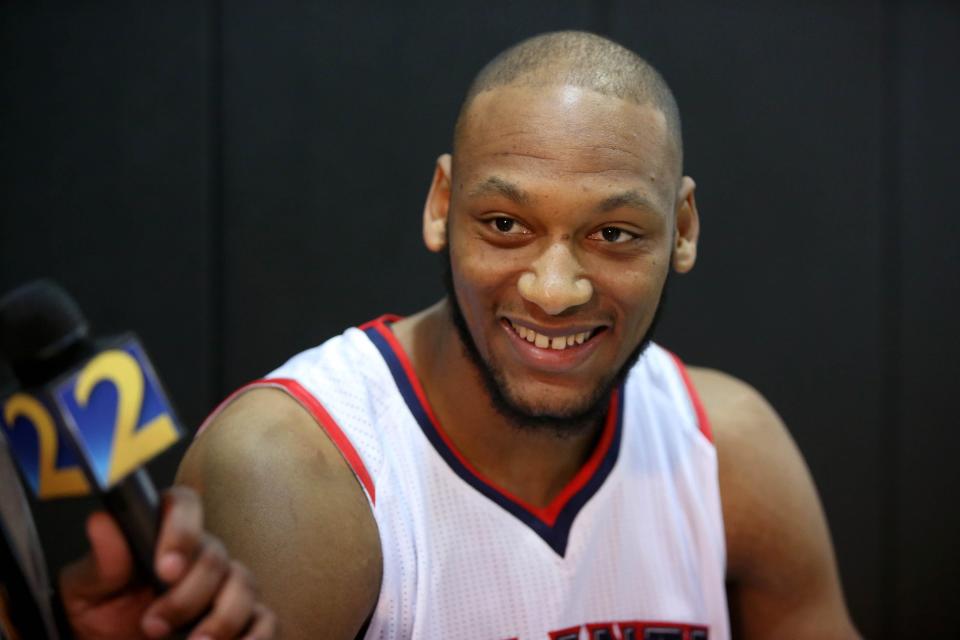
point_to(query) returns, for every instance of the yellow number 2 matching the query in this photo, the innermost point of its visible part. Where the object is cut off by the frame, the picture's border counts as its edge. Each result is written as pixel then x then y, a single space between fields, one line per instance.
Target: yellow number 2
pixel 130 447
pixel 53 482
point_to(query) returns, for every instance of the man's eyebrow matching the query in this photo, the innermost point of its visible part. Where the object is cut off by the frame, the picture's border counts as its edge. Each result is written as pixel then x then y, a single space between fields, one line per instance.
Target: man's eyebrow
pixel 632 199
pixel 497 185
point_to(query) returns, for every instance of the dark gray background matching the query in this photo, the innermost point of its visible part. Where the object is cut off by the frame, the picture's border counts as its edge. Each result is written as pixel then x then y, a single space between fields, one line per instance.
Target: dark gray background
pixel 239 180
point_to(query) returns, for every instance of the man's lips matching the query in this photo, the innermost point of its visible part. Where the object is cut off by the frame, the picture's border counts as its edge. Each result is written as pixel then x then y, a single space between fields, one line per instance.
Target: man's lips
pixel 557 338
pixel 557 349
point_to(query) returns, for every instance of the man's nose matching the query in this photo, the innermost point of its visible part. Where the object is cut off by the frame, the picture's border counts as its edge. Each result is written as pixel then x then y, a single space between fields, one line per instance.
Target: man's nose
pixel 555 281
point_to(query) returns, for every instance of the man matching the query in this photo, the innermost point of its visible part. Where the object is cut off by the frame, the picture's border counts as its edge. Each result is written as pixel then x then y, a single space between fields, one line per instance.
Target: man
pixel 518 460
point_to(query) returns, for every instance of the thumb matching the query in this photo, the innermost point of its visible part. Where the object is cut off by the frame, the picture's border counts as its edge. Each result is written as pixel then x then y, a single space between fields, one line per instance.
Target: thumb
pixel 105 570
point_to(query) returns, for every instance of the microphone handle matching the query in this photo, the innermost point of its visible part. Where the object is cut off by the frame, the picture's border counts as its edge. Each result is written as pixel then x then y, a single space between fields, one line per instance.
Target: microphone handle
pixel 134 503
pixel 26 598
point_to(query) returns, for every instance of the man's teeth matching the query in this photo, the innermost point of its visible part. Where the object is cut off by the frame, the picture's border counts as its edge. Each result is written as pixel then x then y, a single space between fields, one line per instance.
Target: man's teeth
pixel 545 342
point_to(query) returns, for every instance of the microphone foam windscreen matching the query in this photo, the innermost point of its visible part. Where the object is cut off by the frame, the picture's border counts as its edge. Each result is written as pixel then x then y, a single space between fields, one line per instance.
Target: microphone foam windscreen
pixel 39 320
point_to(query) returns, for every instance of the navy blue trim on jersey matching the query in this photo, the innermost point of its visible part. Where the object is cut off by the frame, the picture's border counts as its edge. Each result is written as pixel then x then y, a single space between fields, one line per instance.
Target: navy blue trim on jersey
pixel 555 536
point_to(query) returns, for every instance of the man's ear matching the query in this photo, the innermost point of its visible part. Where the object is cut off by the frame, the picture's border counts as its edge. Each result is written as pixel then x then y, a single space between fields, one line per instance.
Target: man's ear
pixel 437 207
pixel 687 230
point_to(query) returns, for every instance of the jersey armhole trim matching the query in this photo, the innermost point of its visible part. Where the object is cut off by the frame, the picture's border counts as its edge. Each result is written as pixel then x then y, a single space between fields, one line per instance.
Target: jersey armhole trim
pixel 386 318
pixel 702 420
pixel 320 414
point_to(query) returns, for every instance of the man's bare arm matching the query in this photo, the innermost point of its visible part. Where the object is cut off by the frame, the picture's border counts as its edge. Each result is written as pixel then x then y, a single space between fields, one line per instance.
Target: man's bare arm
pixel 781 570
pixel 279 494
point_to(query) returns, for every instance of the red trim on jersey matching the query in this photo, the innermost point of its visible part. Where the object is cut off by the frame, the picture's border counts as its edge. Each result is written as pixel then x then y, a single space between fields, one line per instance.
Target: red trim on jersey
pixel 548 515
pixel 382 320
pixel 592 628
pixel 638 627
pixel 641 626
pixel 220 407
pixel 323 418
pixel 702 418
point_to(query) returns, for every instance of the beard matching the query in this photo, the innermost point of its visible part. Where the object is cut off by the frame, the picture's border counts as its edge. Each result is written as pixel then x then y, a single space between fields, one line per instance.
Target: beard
pixel 563 423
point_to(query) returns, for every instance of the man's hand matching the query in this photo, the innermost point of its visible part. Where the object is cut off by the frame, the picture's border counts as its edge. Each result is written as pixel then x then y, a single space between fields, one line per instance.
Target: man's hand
pixel 104 599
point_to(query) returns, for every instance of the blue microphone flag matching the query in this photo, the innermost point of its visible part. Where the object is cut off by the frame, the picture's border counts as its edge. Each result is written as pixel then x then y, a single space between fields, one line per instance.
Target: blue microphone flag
pixel 97 422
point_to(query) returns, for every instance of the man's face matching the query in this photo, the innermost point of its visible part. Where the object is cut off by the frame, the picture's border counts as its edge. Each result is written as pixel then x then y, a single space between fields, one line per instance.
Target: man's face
pixel 561 226
pixel 572 419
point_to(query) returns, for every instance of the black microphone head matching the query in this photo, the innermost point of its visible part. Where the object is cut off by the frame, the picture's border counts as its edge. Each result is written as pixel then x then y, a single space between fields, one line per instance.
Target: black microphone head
pixel 39 324
pixel 8 382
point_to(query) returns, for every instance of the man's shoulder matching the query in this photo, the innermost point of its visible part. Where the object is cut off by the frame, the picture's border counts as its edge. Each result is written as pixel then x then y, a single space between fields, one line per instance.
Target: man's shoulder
pixel 757 458
pixel 731 405
pixel 752 442
pixel 262 429
pixel 277 490
pixel 736 409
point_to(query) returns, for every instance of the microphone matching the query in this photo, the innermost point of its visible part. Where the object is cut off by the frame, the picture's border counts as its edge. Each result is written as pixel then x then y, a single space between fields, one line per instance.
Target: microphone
pixel 25 605
pixel 89 415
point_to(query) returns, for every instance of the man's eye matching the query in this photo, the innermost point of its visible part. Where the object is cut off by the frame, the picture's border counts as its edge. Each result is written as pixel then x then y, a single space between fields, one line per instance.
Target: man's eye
pixel 506 225
pixel 614 235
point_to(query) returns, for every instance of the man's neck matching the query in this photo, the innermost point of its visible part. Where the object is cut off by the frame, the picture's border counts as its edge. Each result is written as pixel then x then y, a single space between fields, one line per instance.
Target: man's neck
pixel 534 464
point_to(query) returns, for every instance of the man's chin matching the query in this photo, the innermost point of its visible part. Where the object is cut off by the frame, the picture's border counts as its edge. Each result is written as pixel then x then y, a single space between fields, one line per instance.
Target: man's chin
pixel 564 411
pixel 548 399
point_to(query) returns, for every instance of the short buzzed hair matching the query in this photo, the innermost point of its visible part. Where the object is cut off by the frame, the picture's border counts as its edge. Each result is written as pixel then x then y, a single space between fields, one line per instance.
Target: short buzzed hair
pixel 583 60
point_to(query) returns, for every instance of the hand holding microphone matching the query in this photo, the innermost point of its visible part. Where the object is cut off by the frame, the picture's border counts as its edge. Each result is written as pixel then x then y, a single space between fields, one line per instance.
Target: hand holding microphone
pixel 87 417
pixel 104 600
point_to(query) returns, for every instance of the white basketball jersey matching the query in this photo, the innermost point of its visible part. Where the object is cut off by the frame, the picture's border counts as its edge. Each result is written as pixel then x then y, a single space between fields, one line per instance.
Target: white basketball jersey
pixel 631 549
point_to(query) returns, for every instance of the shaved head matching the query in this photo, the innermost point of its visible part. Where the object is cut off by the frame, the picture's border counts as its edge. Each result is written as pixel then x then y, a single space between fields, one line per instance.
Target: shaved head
pixel 583 60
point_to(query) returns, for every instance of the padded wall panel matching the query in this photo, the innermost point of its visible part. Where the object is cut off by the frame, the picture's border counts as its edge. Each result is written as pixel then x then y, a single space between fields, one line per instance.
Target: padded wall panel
pixel 927 520
pixel 103 184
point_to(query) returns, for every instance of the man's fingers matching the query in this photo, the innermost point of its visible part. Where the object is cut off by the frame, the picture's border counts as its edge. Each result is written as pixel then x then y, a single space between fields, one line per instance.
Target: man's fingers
pixel 264 625
pixel 192 594
pixel 105 570
pixel 180 534
pixel 203 581
pixel 234 608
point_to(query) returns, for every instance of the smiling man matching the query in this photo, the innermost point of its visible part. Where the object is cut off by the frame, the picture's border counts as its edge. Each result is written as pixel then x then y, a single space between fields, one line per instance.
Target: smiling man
pixel 519 460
